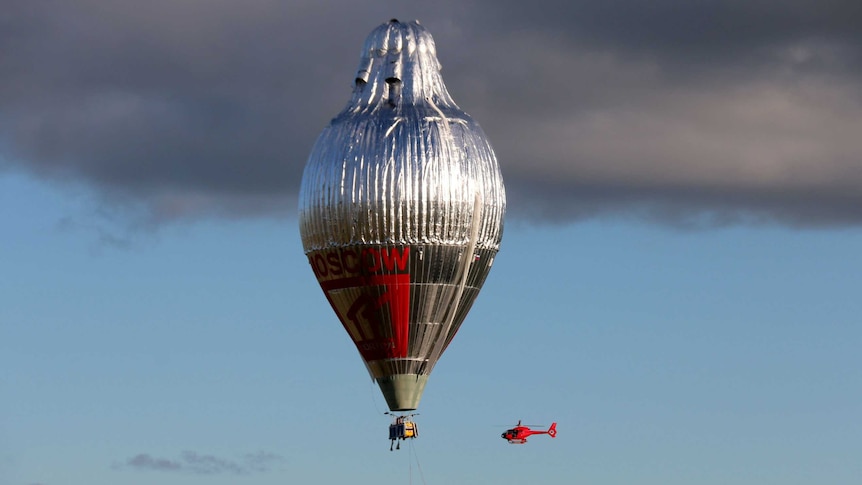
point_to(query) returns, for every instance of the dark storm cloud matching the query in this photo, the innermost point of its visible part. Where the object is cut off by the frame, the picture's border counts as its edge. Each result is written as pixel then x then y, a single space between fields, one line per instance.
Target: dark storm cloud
pixel 191 462
pixel 688 113
pixel 677 27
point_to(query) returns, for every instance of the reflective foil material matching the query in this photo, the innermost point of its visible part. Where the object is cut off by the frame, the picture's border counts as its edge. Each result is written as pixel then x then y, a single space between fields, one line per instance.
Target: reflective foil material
pixel 401 211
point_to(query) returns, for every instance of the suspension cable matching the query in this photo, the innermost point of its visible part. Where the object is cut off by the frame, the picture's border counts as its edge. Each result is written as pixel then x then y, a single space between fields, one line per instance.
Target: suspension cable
pixel 418 466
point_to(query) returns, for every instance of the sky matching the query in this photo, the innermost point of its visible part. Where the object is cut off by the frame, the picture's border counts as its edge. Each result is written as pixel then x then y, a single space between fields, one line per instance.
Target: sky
pixel 676 286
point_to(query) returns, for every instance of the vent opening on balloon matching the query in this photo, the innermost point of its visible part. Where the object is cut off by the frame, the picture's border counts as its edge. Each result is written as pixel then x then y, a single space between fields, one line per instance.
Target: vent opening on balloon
pixel 394 90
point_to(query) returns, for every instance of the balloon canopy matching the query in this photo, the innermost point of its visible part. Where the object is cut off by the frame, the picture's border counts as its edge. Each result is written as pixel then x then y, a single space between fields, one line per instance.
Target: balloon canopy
pixel 401 211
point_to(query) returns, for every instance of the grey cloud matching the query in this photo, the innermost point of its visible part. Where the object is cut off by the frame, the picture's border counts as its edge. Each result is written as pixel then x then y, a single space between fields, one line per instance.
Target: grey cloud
pixel 261 461
pixel 667 28
pixel 145 461
pixel 689 114
pixel 208 464
pixel 203 464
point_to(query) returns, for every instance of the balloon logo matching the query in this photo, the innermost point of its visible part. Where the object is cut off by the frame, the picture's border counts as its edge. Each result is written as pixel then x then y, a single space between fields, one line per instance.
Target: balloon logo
pixel 401 212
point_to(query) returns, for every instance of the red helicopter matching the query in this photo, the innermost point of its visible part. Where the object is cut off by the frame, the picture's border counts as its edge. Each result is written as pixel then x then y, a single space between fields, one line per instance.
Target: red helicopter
pixel 518 435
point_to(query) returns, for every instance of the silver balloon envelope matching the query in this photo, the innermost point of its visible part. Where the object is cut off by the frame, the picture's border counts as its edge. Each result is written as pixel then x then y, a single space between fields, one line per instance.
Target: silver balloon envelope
pixel 401 211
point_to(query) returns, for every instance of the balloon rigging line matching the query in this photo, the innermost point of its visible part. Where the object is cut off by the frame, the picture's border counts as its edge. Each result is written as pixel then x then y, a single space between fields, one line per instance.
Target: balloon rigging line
pixel 412 451
pixel 373 400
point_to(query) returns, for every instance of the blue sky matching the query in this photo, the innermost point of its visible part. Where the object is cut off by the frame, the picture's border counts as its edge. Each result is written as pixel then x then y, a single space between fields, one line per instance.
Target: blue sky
pixel 677 285
pixel 727 355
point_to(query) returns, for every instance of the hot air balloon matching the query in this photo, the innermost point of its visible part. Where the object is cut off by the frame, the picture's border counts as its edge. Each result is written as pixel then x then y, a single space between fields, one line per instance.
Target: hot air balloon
pixel 401 211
